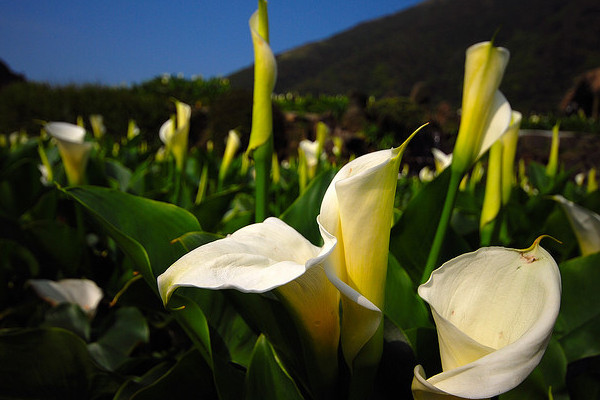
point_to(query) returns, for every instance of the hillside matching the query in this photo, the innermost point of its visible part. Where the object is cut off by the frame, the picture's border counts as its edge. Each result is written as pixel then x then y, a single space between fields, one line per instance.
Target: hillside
pixel 551 42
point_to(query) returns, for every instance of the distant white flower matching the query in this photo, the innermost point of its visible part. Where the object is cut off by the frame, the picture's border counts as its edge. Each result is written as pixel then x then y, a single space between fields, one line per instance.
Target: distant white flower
pixel 74 151
pixel 82 292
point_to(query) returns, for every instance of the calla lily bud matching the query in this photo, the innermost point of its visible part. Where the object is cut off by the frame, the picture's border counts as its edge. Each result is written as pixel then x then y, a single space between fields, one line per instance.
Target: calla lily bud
pixel 552 166
pixel 73 150
pixel 494 310
pixel 174 133
pixel 98 128
pixel 485 111
pixel 592 184
pixel 82 292
pixel 509 152
pixel 265 75
pixel 492 199
pixel 312 154
pixel 585 224
pixel 441 159
pixel 132 129
pixel 500 178
pixel 231 147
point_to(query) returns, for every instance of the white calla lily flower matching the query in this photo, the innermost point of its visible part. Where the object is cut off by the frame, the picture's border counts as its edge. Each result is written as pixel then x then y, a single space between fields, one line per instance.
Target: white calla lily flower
pixel 495 310
pixel 174 133
pixel 585 224
pixel 82 292
pixel 73 150
pixel 486 113
pixel 355 222
pixel 441 159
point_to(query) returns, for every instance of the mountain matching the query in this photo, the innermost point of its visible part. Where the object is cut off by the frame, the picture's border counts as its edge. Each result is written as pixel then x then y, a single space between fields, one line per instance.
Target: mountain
pixel 551 42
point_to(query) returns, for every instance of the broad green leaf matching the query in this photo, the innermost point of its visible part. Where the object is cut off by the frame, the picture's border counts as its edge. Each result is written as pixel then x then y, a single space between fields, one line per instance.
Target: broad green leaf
pixel 61 242
pixel 20 187
pixel 233 331
pixel 211 210
pixel 69 316
pixel 266 377
pixel 578 325
pixel 402 304
pixel 191 240
pixel 412 236
pixel 118 175
pixel 115 346
pixel 189 378
pixel 47 363
pixel 143 228
pixel 424 342
pixel 302 214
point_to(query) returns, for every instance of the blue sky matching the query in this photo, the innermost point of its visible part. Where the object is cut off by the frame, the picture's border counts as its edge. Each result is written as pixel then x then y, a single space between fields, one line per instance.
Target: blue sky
pixel 126 41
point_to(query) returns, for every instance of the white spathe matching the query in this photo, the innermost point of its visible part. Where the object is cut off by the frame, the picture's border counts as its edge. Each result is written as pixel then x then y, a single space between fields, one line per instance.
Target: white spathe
pixel 83 292
pixel 73 150
pixel 585 224
pixel 494 310
pixel 254 259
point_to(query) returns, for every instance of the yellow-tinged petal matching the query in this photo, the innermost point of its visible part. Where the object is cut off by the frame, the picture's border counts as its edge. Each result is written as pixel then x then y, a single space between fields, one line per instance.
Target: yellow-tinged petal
pixel 492 199
pixel 485 111
pixel 265 75
pixel 231 147
pixel 494 310
pixel 72 148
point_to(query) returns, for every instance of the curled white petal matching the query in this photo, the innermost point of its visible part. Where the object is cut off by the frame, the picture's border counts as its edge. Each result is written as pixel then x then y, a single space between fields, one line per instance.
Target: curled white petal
pixel 256 258
pixel 495 310
pixel 65 131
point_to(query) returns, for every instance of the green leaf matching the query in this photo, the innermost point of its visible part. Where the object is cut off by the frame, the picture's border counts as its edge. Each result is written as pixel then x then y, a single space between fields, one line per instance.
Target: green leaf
pixel 232 329
pixel 143 228
pixel 69 316
pixel 191 240
pixel 47 363
pixel 189 378
pixel 61 243
pixel 412 236
pixel 403 305
pixel 211 210
pixel 118 174
pixel 266 378
pixel 578 325
pixel 115 346
pixel 302 214
pixel 424 342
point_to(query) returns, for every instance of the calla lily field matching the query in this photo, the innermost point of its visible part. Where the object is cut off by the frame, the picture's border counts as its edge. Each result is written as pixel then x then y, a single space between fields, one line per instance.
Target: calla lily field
pixel 130 272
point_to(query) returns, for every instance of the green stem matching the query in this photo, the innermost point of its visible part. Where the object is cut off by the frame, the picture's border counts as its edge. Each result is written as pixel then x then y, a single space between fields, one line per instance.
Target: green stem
pixel 263 155
pixel 440 234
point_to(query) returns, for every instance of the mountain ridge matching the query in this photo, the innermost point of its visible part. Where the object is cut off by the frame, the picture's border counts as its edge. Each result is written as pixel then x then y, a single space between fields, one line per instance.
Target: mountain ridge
pixel 551 42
